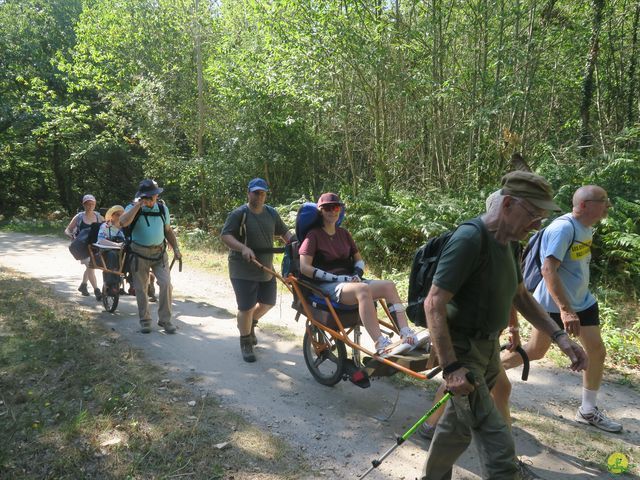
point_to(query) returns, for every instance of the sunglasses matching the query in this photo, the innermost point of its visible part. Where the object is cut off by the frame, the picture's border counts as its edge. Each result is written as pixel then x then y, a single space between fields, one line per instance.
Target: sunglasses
pixel 334 207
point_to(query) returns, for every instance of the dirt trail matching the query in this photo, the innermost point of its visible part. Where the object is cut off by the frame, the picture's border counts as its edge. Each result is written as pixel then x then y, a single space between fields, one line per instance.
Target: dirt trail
pixel 335 428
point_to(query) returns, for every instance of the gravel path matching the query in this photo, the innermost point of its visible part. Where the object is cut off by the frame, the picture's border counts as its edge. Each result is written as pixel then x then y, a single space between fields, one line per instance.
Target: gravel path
pixel 337 429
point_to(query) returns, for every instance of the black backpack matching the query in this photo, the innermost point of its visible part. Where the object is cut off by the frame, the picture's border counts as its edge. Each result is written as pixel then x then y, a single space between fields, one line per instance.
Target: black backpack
pixel 531 264
pixel 424 266
pixel 128 230
pixel 86 237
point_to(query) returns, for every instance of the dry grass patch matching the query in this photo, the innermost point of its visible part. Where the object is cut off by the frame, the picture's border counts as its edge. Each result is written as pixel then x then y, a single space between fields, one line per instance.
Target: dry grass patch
pixel 77 403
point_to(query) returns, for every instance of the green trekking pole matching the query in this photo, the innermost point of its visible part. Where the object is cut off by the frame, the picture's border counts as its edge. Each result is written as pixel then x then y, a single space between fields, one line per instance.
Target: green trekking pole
pixel 400 440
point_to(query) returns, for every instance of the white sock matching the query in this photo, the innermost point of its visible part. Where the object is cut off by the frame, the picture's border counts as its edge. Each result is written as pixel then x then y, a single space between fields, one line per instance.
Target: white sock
pixel 589 401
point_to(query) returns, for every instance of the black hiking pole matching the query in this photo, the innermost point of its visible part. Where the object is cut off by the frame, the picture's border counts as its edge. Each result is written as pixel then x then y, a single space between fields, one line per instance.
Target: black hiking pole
pixel 400 440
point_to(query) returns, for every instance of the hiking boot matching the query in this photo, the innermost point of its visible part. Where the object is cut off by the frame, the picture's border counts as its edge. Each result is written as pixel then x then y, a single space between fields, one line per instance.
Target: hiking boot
pixel 153 299
pixel 246 347
pixel 168 326
pixel 254 339
pixel 98 294
pixel 426 431
pixel 524 471
pixel 83 290
pixel 145 326
pixel 597 418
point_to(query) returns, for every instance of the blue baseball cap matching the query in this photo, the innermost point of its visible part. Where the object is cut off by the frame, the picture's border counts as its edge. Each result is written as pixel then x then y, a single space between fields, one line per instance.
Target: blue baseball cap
pixel 258 184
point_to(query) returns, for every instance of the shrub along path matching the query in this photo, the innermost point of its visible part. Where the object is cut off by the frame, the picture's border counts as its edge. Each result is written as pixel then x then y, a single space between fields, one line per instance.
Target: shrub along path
pixel 335 428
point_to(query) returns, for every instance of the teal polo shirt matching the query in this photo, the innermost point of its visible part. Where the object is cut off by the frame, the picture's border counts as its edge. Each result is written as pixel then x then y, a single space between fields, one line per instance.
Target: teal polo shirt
pixel 153 233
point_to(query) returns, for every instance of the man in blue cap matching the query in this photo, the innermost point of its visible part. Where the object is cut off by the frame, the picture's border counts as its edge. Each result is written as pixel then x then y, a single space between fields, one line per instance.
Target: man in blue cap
pixel 249 232
pixel 149 236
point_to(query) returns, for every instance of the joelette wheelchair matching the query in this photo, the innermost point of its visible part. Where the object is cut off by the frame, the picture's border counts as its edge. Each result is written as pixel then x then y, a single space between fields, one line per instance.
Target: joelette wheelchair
pixel 332 329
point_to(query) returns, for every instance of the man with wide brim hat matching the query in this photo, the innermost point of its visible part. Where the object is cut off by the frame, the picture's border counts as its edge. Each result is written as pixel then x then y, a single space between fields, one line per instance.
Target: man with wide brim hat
pixel 249 232
pixel 477 280
pixel 149 227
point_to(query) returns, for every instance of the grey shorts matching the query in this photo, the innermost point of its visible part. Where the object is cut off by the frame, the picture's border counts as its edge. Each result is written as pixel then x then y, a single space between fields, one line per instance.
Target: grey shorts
pixel 249 293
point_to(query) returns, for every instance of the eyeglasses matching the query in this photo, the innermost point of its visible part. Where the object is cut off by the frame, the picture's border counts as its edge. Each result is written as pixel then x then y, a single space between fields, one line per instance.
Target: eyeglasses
pixel 535 216
pixel 600 200
pixel 333 207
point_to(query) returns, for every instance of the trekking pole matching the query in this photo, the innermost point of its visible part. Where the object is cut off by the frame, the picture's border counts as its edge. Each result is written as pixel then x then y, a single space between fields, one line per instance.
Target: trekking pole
pixel 400 440
pixel 179 263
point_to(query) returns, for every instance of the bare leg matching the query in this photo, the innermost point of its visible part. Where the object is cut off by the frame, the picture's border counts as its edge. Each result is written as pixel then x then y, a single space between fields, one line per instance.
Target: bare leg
pixel 536 348
pixel 360 293
pixel 245 317
pixel 387 290
pixel 501 393
pixel 591 340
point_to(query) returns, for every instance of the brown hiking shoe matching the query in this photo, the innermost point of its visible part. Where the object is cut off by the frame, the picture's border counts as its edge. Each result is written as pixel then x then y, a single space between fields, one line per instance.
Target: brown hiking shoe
pixel 246 347
pixel 168 326
pixel 145 326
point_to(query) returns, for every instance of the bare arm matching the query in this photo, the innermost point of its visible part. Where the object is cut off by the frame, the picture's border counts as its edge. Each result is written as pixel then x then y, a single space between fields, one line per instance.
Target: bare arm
pixel 514 329
pixel 435 307
pixel 554 285
pixel 287 236
pixel 535 314
pixel 234 244
pixel 127 217
pixel 170 235
pixel 306 267
pixel 71 227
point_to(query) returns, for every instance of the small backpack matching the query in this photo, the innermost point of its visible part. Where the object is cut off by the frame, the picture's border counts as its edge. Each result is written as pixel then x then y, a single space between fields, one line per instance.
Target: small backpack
pixel 424 266
pixel 531 263
pixel 128 230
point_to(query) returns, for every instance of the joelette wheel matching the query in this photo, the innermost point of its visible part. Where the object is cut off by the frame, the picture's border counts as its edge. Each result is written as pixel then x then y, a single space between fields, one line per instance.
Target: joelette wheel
pixel 324 355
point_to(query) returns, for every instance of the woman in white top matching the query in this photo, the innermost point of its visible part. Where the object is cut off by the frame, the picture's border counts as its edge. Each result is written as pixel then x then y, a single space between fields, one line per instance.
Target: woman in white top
pixel 79 222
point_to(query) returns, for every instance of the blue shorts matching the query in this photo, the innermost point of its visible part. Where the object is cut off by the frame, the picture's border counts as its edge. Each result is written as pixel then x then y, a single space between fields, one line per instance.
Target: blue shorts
pixel 249 293
pixel 588 318
pixel 333 290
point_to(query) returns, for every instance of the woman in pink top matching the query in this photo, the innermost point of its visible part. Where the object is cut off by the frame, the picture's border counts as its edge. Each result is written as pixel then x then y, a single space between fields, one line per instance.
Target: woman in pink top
pixel 329 256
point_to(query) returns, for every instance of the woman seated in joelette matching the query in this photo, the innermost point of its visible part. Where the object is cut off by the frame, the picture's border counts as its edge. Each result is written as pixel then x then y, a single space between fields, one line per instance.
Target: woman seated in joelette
pixel 111 235
pixel 329 256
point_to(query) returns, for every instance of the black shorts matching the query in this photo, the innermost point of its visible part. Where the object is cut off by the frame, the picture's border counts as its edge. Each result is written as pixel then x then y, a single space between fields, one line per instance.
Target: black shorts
pixel 588 318
pixel 249 292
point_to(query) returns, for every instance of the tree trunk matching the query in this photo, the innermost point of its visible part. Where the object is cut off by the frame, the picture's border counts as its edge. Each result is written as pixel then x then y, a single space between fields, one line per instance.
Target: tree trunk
pixel 588 81
pixel 200 130
pixel 633 62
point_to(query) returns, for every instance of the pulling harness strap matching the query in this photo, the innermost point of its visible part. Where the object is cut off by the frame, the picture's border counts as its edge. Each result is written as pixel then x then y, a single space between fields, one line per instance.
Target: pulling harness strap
pixel 135 254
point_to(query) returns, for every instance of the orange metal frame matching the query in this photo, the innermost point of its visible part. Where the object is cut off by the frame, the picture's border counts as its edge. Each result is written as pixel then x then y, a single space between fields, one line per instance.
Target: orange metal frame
pixel 103 266
pixel 341 334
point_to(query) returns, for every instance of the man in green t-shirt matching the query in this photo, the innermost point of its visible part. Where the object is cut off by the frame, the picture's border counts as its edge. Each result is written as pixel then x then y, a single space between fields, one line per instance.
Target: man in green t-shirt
pixel 249 232
pixel 476 282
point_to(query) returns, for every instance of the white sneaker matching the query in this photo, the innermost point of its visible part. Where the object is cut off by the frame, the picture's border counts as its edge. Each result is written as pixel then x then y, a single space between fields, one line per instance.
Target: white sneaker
pixel 383 346
pixel 597 418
